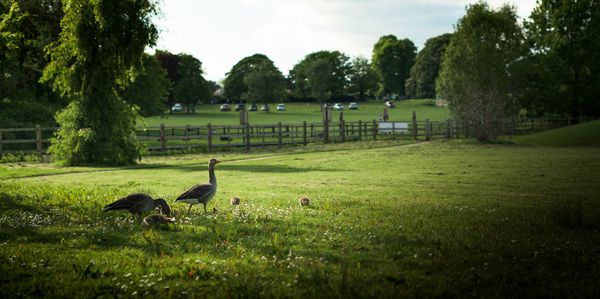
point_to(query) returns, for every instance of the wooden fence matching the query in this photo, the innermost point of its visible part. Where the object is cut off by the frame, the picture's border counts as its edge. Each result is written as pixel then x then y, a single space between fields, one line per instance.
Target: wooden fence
pixel 211 137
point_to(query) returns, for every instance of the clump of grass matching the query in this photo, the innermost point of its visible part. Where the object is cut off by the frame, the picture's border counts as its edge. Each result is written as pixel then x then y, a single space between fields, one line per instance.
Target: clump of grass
pixel 574 216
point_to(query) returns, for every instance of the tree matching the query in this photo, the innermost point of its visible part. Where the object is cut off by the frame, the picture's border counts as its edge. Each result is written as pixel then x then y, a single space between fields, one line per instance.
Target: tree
pixel 321 74
pixel 100 41
pixel 564 64
pixel 149 91
pixel 362 77
pixel 169 62
pixel 421 84
pixel 476 77
pixel 26 28
pixel 265 84
pixel 191 87
pixel 234 84
pixel 392 60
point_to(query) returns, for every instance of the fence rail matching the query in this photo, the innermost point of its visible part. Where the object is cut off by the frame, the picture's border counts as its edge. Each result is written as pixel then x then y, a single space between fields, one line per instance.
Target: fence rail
pixel 164 138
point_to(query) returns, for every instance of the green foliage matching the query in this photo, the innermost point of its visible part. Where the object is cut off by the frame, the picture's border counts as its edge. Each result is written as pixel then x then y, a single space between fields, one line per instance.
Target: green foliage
pixel 424 73
pixel 150 88
pixel 234 84
pixel 321 74
pixel 191 86
pixel 99 43
pixel 169 62
pixel 362 77
pixel 265 83
pixel 392 60
pixel 26 28
pixel 563 68
pixel 476 77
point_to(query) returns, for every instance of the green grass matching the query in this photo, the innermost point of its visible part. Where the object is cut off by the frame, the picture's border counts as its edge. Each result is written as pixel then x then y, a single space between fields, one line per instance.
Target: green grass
pixel 586 134
pixel 296 113
pixel 385 220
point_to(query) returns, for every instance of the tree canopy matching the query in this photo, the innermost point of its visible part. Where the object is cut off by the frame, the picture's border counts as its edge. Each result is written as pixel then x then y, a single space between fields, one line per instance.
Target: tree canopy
pixel 234 84
pixel 321 74
pixel 191 86
pixel 421 84
pixel 392 60
pixel 265 83
pixel 362 77
pixel 100 41
pixel 476 77
pixel 563 68
pixel 149 90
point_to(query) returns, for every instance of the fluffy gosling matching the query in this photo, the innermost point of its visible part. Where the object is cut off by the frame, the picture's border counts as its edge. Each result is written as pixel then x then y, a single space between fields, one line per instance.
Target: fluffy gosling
pixel 235 200
pixel 303 201
pixel 157 219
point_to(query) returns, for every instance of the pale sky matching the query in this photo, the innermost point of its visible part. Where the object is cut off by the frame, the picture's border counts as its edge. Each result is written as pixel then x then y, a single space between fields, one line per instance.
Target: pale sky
pixel 221 33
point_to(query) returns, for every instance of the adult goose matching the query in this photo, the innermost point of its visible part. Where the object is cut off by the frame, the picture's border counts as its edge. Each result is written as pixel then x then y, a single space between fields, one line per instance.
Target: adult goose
pixel 201 193
pixel 138 203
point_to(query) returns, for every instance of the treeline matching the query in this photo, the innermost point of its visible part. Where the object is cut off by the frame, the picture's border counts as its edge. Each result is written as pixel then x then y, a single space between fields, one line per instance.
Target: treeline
pixel 80 64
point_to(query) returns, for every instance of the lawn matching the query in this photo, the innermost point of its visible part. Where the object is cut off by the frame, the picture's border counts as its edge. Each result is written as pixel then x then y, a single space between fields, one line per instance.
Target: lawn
pixel 296 113
pixel 385 220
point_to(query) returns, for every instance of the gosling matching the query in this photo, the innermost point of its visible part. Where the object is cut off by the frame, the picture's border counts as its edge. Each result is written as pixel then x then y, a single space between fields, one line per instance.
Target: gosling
pixel 303 201
pixel 157 219
pixel 235 200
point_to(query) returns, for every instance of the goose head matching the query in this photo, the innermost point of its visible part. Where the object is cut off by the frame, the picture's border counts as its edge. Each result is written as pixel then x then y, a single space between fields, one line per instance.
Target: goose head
pixel 162 204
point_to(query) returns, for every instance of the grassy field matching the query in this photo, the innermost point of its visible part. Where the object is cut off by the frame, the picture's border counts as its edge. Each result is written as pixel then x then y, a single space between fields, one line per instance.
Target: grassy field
pixel 385 220
pixel 296 113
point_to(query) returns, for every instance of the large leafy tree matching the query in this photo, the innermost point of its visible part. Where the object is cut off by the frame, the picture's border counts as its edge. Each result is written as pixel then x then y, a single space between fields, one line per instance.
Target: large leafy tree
pixel 392 60
pixel 564 65
pixel 321 74
pixel 191 86
pixel 476 77
pixel 100 41
pixel 424 72
pixel 149 91
pixel 26 28
pixel 265 83
pixel 234 84
pixel 362 77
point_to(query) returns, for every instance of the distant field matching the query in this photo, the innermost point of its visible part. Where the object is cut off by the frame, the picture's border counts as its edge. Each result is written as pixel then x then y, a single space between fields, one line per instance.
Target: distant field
pixel 298 112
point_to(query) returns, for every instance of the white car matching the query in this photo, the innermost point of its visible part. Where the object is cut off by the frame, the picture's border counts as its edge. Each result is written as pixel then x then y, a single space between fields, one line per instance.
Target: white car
pixel 281 107
pixel 353 106
pixel 177 108
pixel 338 106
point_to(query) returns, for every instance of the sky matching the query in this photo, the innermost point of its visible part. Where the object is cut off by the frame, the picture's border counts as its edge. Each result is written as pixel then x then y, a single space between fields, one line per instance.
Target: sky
pixel 221 33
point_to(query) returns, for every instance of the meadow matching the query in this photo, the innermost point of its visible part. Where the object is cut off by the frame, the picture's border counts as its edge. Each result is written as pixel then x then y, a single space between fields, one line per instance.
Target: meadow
pixel 296 113
pixel 386 219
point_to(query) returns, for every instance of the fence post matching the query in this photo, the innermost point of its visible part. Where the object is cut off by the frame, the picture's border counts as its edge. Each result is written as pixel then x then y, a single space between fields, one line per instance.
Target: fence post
pixel 38 137
pixel 209 137
pixel 279 134
pixel 525 125
pixel 374 130
pixel 325 132
pixel 449 128
pixel 343 130
pixel 359 130
pixel 427 130
pixel 247 136
pixel 414 124
pixel 185 135
pixel 304 132
pixel 162 138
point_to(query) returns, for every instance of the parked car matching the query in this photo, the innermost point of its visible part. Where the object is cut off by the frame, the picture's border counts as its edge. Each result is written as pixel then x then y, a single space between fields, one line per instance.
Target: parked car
pixel 225 107
pixel 353 106
pixel 390 104
pixel 326 105
pixel 239 107
pixel 264 108
pixel 177 108
pixel 252 108
pixel 338 106
pixel 280 107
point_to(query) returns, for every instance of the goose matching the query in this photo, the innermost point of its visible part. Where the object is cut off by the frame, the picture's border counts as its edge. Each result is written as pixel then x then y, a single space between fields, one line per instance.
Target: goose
pixel 303 201
pixel 157 219
pixel 201 193
pixel 138 203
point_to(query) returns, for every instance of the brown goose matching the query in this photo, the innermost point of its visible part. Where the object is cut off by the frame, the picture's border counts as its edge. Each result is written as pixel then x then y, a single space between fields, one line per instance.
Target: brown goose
pixel 201 193
pixel 138 203
pixel 157 219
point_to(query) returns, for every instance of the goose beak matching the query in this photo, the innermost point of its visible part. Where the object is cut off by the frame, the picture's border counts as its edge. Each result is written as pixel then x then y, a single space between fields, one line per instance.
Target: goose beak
pixel 218 161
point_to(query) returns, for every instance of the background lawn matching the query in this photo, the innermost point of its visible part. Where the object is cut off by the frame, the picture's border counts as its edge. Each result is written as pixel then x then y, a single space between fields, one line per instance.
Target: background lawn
pixel 296 113
pixel 385 220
